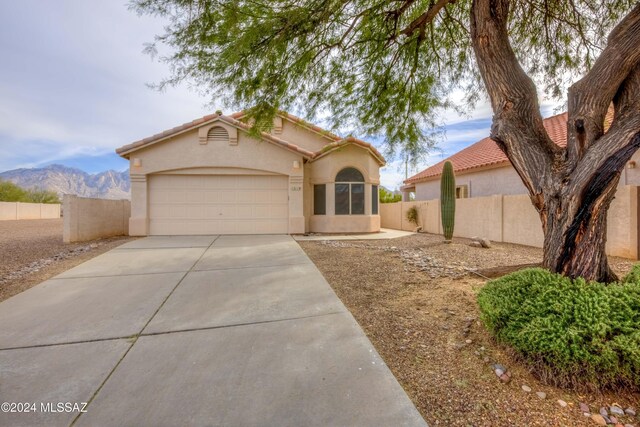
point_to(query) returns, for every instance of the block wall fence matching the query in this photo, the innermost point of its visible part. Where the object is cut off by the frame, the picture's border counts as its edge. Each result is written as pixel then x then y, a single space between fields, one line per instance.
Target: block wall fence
pixel 88 219
pixel 513 219
pixel 17 210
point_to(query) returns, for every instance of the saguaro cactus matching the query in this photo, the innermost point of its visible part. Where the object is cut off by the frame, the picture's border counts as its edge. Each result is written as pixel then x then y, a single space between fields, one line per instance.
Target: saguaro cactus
pixel 448 200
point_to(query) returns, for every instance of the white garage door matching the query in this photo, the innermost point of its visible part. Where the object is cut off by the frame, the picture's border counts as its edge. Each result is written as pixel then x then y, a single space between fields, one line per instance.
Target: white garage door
pixel 218 204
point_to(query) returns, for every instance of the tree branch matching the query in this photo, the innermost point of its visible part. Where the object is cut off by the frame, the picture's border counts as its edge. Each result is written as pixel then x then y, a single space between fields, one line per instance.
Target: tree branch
pixel 620 139
pixel 517 124
pixel 421 21
pixel 590 97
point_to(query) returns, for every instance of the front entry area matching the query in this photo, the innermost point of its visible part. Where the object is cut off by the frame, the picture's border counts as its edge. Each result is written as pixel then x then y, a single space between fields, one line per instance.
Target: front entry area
pixel 218 204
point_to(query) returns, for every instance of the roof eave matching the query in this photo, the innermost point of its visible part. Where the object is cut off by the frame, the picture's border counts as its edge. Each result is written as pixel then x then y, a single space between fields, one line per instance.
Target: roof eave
pixel 127 150
pixel 330 148
pixel 465 171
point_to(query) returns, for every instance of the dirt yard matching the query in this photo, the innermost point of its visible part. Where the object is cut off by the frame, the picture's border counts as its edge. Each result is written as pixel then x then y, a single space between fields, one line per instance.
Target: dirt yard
pixel 32 251
pixel 415 299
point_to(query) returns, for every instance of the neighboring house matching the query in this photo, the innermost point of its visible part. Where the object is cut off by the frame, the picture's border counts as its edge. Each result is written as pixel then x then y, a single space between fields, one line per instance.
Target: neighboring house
pixel 482 169
pixel 210 176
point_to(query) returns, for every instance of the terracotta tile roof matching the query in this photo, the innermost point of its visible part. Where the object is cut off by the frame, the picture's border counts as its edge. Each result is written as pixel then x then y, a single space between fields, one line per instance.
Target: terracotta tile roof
pixel 486 152
pixel 233 120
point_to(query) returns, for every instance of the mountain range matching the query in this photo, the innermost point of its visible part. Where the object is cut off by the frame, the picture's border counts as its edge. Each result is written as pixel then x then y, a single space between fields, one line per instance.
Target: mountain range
pixel 65 180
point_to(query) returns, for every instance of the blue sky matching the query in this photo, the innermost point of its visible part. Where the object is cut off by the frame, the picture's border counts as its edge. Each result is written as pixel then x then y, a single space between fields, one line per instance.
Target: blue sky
pixel 73 87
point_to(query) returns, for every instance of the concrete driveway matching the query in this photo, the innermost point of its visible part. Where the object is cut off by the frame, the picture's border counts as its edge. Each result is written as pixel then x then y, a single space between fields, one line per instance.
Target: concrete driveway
pixel 198 330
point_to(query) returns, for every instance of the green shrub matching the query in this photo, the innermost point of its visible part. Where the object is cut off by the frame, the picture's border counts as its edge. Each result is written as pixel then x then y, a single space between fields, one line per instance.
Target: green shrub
pixel 387 196
pixel 633 276
pixel 570 332
pixel 41 196
pixel 412 215
pixel 10 192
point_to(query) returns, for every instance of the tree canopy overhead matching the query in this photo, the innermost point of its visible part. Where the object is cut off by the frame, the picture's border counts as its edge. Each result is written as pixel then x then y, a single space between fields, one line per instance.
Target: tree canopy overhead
pixel 379 66
pixel 389 67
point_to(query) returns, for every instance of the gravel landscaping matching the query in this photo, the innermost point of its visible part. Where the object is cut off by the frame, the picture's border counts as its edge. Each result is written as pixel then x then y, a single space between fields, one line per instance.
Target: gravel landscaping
pixel 415 298
pixel 32 251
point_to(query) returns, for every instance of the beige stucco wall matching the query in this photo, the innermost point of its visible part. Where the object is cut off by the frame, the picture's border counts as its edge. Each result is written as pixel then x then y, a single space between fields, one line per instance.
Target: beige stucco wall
pixel 18 210
pixel 394 215
pixel 622 223
pixel 480 216
pixel 513 219
pixel 29 210
pixel 89 219
pixel 324 171
pixel 8 210
pixel 521 223
pixel 391 215
pixel 631 176
pixel 503 180
pixel 301 136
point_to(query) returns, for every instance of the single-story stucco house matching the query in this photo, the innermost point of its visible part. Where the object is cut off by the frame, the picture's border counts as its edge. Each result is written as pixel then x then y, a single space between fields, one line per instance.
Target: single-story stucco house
pixel 210 176
pixel 482 169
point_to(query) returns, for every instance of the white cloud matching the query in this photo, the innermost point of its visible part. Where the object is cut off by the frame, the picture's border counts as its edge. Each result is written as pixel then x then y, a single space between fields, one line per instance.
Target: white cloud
pixel 76 79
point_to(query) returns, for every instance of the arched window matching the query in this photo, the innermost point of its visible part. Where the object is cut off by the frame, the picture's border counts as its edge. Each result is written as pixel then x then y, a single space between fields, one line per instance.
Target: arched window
pixel 217 134
pixel 349 175
pixel 349 192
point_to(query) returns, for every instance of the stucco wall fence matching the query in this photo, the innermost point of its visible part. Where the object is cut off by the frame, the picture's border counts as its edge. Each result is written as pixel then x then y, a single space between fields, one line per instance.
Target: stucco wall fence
pixel 18 210
pixel 513 219
pixel 88 219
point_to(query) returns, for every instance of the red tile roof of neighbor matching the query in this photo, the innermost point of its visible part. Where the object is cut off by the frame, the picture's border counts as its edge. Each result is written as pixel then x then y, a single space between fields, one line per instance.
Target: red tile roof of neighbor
pixel 334 141
pixel 486 152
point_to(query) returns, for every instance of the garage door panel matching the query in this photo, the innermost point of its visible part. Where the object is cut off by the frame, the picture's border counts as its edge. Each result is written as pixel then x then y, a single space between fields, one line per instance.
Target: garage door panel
pixel 280 198
pixel 218 204
pixel 279 211
pixel 228 196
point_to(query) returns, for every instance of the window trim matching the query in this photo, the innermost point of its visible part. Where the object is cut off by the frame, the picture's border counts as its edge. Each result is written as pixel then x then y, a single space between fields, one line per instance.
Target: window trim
pixel 462 191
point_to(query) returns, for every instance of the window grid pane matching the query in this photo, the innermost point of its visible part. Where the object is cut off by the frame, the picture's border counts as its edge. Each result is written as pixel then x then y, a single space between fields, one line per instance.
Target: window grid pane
pixel 357 199
pixel 374 200
pixel 320 199
pixel 342 199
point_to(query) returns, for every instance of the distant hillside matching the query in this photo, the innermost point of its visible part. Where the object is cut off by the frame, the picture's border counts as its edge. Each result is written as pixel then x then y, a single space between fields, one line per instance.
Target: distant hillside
pixel 65 180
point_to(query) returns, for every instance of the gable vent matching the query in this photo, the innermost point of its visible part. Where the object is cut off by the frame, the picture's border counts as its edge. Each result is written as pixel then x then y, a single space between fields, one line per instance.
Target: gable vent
pixel 217 135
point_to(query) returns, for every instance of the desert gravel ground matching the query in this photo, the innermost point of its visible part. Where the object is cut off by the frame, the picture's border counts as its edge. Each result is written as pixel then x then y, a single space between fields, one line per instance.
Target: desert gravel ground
pixel 32 251
pixel 415 299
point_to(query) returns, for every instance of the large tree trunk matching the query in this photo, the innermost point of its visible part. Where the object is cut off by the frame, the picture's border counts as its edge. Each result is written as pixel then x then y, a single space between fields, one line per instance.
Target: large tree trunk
pixel 574 242
pixel 574 220
pixel 571 188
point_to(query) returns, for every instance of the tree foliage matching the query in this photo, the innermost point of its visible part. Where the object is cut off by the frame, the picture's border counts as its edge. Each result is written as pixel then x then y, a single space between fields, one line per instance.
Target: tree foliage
pixel 42 196
pixel 10 192
pixel 379 67
pixel 387 196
